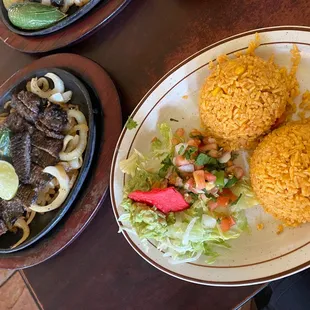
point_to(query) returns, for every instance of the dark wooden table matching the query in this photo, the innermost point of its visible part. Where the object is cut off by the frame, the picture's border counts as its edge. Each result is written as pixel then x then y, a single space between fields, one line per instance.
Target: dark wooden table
pixel 100 270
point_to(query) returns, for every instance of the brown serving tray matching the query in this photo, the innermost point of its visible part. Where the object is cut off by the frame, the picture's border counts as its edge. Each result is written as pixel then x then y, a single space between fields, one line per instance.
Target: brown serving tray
pixel 109 123
pixel 75 32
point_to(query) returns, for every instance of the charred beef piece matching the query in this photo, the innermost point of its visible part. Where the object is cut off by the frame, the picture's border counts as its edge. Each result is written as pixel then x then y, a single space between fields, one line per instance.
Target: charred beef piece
pixel 49 145
pixel 48 132
pixel 32 101
pixel 21 152
pixel 10 210
pixel 42 158
pixel 3 227
pixel 22 110
pixel 54 118
pixel 17 124
pixel 38 179
pixel 27 195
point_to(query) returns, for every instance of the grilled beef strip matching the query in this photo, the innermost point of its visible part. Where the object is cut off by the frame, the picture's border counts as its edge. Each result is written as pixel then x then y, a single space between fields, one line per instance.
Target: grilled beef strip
pixel 11 210
pixel 27 195
pixel 42 158
pixel 54 118
pixel 32 101
pixel 49 145
pixel 49 133
pixel 21 152
pixel 17 124
pixel 22 110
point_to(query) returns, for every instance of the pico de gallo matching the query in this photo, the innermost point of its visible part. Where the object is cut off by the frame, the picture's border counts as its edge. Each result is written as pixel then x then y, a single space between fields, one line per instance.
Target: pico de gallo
pixel 187 194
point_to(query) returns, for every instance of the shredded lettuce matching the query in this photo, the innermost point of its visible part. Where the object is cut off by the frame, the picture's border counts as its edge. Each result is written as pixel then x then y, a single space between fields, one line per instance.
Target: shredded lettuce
pixel 161 147
pixel 132 163
pixel 247 199
pixel 182 236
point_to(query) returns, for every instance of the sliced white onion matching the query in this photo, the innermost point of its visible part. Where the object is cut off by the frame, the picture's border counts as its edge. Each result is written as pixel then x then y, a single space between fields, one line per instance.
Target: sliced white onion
pixel 63 179
pixel 225 157
pixel 59 86
pixel 21 223
pixel 56 98
pixel 187 168
pixel 67 96
pixel 208 221
pixel 61 98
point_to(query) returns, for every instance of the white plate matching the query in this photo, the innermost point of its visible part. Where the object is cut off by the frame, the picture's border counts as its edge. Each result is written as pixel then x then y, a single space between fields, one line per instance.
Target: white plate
pixel 254 258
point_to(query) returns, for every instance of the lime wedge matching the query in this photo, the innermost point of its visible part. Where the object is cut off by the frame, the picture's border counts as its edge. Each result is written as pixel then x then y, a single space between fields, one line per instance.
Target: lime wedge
pixel 8 180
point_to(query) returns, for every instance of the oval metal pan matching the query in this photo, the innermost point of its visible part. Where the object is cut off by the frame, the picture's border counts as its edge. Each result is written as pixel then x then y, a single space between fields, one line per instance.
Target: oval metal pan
pixel 42 224
pixel 73 14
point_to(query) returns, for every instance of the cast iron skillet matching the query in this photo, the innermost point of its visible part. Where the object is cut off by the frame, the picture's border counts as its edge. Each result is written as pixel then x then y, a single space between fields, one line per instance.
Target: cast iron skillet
pixel 42 224
pixel 74 14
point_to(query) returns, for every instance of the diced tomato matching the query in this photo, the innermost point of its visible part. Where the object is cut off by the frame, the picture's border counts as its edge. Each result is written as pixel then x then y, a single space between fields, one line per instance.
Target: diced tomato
pixel 223 201
pixel 212 205
pixel 189 184
pixel 181 160
pixel 236 171
pixel 226 223
pixel 215 154
pixel 210 177
pixel 166 199
pixel 208 140
pixel 226 197
pixel 194 142
pixel 199 177
pixel 208 147
pixel 198 167
pixel 228 193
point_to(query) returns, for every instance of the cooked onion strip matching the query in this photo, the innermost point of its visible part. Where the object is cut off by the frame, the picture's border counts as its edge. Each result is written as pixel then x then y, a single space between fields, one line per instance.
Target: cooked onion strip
pixel 76 163
pixel 21 223
pixel 83 129
pixel 60 174
pixel 31 217
pixel 78 115
pixel 73 177
pixel 73 143
pixel 43 84
pixel 58 86
pixel 61 97
pixel 7 104
pixel 66 141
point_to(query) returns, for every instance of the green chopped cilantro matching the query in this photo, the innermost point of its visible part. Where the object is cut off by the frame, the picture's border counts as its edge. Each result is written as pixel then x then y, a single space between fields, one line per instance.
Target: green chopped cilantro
pixel 131 124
